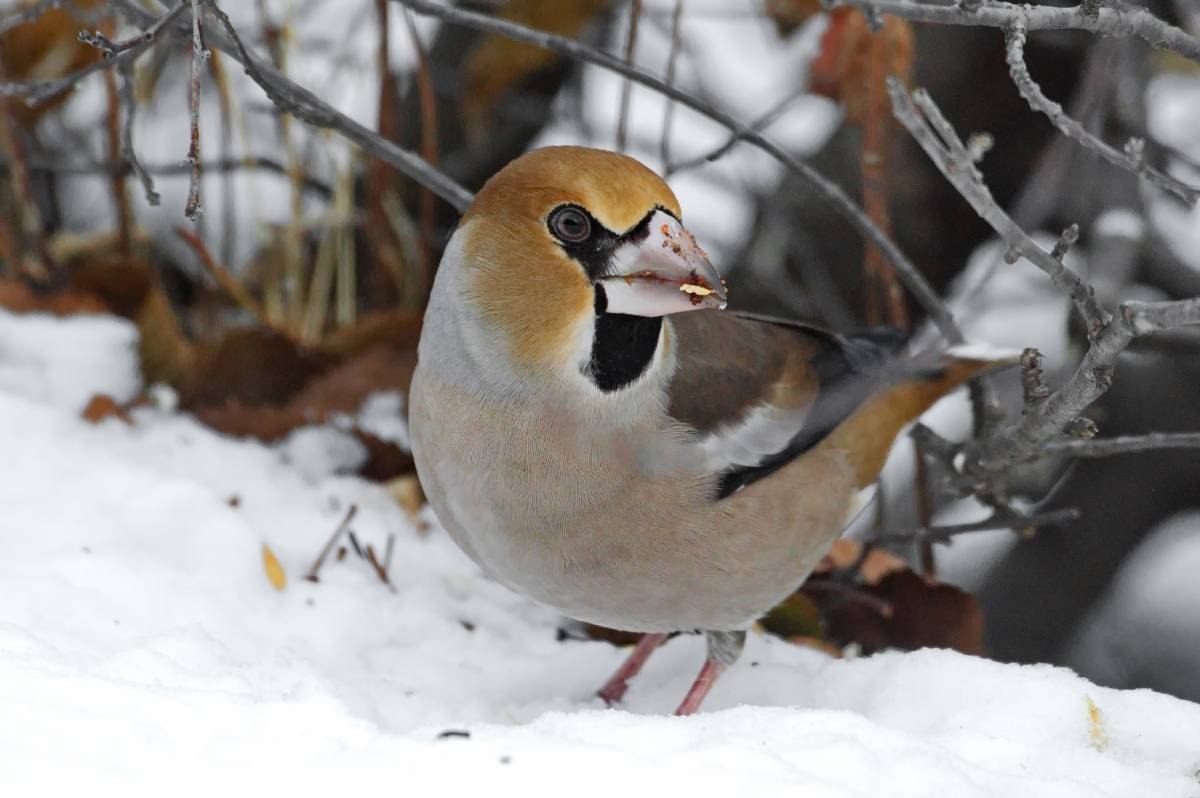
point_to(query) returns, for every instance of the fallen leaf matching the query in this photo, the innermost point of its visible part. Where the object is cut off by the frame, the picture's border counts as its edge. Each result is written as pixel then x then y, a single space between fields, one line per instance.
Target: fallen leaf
pixel 1096 731
pixel 102 406
pixel 273 569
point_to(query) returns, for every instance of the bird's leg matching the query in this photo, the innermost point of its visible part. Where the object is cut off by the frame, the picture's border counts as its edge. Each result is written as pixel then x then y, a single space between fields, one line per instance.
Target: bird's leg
pixel 614 689
pixel 724 648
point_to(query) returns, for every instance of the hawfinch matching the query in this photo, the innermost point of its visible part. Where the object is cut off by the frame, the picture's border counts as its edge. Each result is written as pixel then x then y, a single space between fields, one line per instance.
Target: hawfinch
pixel 599 436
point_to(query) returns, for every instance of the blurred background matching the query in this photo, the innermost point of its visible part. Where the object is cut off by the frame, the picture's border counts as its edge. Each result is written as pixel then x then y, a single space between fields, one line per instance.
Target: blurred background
pixel 296 294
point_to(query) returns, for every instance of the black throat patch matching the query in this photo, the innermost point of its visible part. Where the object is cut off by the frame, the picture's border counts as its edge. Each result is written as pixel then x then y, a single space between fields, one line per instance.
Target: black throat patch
pixel 622 349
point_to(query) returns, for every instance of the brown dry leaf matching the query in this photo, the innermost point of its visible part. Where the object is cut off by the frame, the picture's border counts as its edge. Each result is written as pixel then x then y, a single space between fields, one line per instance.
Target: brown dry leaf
pixel 45 48
pixel 1096 731
pixel 497 65
pixel 791 14
pixel 102 406
pixel 925 614
pixel 841 70
pixel 18 297
pixel 272 568
pixel 845 553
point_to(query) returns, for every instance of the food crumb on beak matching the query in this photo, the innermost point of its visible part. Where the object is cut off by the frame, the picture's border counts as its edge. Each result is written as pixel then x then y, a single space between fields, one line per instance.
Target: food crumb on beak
pixel 699 290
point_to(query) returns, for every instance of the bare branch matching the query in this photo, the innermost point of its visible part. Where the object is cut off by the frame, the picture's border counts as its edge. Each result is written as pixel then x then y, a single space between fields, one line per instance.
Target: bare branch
pixel 956 161
pixel 1124 444
pixel 1124 21
pixel 36 91
pixel 944 533
pixel 1131 161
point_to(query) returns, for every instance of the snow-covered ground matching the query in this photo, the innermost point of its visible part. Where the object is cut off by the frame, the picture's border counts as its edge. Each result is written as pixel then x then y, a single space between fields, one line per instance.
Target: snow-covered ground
pixel 143 649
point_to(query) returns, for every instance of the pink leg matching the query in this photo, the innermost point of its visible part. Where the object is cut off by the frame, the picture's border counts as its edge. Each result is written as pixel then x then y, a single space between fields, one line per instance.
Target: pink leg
pixel 614 689
pixel 704 682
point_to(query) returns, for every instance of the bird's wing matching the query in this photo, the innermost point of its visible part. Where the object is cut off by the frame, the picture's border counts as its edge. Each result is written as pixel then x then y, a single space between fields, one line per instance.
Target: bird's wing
pixel 760 392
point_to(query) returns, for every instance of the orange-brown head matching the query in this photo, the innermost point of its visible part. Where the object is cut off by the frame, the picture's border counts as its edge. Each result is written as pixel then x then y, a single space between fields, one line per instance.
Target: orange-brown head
pixel 565 239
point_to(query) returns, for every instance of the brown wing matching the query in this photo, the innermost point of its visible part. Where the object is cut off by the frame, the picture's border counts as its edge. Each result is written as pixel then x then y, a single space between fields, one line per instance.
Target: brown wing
pixel 760 392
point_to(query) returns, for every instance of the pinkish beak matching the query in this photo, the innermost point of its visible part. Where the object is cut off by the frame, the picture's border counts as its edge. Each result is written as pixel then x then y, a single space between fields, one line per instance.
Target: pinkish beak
pixel 666 272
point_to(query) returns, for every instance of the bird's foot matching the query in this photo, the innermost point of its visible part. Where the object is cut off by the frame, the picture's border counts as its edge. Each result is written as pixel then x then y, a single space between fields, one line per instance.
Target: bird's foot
pixel 614 689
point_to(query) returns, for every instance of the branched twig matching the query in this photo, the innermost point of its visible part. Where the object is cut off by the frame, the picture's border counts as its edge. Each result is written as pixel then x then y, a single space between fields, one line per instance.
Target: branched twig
pixel 1043 420
pixel 956 161
pixel 313 573
pixel 1131 160
pixel 35 91
pixel 1125 21
pixel 827 189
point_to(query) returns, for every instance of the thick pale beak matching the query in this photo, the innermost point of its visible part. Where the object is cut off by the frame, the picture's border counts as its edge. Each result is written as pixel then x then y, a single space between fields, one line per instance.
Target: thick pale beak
pixel 666 272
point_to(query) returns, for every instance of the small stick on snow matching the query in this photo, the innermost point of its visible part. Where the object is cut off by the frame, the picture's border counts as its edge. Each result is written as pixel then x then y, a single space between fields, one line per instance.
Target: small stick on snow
pixel 333 539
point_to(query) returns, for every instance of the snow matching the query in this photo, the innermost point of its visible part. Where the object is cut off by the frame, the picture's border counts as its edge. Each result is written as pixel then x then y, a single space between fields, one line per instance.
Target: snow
pixel 141 646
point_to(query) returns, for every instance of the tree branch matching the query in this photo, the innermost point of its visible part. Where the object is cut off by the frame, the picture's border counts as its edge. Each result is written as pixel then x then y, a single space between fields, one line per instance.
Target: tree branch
pixel 825 188
pixel 1044 417
pixel 1107 21
pixel 1131 160
pixel 956 161
pixel 1124 444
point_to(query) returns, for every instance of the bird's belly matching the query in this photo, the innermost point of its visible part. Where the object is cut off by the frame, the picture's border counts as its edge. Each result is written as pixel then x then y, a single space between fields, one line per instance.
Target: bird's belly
pixel 640 554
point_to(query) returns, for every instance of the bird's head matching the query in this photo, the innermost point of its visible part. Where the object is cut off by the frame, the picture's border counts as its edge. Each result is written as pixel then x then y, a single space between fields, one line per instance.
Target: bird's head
pixel 571 256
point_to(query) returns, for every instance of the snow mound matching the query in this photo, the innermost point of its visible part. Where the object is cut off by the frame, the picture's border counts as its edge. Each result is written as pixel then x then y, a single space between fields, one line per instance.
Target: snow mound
pixel 142 648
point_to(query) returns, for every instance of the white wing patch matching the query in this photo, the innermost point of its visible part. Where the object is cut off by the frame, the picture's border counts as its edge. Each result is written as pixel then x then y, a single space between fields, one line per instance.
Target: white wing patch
pixel 762 432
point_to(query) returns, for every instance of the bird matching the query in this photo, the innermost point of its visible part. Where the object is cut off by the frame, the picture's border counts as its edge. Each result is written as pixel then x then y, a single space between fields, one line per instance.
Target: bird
pixel 600 433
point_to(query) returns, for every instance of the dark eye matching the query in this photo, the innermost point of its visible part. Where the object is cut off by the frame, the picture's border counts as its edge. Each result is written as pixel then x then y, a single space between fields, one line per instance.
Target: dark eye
pixel 571 225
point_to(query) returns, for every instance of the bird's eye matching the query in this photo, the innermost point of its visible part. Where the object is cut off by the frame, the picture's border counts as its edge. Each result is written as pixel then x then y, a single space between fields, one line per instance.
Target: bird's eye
pixel 571 225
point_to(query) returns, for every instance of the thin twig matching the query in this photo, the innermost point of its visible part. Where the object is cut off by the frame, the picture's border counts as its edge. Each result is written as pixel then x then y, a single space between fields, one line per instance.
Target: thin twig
pixel 635 15
pixel 298 101
pixel 1123 444
pixel 129 103
pixel 664 142
pixel 36 91
pixel 823 186
pixel 1109 335
pixel 1125 21
pixel 956 161
pixel 248 162
pixel 762 122
pixel 944 533
pixel 313 572
pixel 1132 160
pixel 193 209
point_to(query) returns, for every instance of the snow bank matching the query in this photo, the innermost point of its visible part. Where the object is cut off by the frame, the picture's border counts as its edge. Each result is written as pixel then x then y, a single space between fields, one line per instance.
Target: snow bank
pixel 143 650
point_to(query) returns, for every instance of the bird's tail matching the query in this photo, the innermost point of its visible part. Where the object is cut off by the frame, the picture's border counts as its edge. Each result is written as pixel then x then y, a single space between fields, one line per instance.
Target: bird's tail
pixel 867 435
